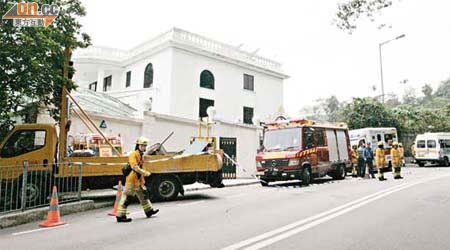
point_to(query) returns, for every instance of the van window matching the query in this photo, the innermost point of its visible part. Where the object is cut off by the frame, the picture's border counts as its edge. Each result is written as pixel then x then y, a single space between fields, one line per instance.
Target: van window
pixel 24 141
pixel 389 137
pixel 445 144
pixel 420 144
pixel 431 144
pixel 320 137
pixel 308 137
pixel 378 137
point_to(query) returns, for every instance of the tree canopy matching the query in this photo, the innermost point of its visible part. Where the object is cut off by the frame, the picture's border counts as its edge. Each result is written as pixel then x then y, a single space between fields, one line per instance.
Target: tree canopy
pixel 31 62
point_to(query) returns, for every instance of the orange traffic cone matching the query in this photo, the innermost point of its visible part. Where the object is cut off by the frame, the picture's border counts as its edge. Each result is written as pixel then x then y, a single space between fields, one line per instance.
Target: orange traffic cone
pixel 116 203
pixel 53 217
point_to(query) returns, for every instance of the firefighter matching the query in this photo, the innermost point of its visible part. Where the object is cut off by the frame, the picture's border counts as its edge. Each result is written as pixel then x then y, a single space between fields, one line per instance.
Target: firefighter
pixel 135 183
pixel 354 160
pixel 379 158
pixel 402 154
pixel 396 161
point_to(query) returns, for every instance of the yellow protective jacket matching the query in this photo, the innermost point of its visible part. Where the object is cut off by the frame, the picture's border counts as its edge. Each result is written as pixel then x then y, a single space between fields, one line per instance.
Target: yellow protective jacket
pixel 354 156
pixel 413 150
pixel 395 154
pixel 136 163
pixel 402 153
pixel 379 157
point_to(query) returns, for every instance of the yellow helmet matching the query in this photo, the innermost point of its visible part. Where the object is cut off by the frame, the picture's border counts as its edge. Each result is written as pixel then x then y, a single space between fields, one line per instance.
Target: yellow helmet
pixel 142 141
pixel 400 144
pixel 380 143
pixel 395 144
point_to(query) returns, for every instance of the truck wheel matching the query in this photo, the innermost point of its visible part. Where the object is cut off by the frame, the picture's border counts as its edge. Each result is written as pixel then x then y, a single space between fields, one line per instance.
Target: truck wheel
pixel 166 188
pixel 445 163
pixel 306 176
pixel 37 189
pixel 421 164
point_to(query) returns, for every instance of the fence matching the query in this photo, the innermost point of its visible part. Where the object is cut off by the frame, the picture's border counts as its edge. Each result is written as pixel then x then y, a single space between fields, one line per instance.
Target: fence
pixel 30 185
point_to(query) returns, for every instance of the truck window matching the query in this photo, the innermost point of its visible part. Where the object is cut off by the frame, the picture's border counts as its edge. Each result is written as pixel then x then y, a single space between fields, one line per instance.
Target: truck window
pixel 320 137
pixel 390 137
pixel 420 144
pixel 24 141
pixel 431 144
pixel 309 139
pixel 282 139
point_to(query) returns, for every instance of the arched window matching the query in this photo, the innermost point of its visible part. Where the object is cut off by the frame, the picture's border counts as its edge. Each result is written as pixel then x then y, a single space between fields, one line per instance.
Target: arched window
pixel 148 76
pixel 207 79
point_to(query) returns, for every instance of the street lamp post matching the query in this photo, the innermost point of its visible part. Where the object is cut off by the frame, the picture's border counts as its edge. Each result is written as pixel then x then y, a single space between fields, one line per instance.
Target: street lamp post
pixel 381 62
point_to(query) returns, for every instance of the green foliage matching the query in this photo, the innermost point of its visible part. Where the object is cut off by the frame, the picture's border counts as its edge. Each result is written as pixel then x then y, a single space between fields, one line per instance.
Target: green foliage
pixel 366 112
pixel 31 61
pixel 352 10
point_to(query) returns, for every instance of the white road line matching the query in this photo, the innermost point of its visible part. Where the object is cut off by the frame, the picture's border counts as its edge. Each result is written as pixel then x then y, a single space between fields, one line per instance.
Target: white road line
pixel 39 230
pixel 351 205
pixel 190 203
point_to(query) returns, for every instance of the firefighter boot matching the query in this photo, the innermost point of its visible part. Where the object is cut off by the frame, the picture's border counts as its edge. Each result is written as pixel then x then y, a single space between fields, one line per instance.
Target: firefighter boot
pixel 123 218
pixel 151 212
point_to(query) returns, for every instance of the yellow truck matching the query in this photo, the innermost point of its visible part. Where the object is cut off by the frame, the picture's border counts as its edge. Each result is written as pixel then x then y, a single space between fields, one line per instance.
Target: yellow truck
pixel 48 161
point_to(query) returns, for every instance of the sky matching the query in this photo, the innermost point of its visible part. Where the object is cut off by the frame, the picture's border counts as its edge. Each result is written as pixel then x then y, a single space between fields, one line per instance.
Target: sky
pixel 320 59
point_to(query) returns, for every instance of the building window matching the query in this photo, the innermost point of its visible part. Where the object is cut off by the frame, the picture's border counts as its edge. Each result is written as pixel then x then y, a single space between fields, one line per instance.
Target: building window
pixel 93 86
pixel 248 115
pixel 204 105
pixel 107 83
pixel 207 79
pixel 249 82
pixel 128 83
pixel 148 76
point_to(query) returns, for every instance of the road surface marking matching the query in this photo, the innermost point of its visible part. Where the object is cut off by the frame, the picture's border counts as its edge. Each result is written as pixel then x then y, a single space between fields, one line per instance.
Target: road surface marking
pixel 190 203
pixel 309 222
pixel 38 230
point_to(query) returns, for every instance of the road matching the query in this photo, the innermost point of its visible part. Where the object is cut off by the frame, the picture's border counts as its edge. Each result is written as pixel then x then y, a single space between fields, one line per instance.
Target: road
pixel 413 213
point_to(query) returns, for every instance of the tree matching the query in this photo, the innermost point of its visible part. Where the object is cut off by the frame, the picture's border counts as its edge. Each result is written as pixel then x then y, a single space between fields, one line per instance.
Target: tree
pixel 366 112
pixel 352 10
pixel 444 89
pixel 427 90
pixel 409 97
pixel 331 108
pixel 31 62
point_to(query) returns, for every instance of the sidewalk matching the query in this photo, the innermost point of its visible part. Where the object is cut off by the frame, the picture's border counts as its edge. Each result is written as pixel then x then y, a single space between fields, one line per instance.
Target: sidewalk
pixel 103 193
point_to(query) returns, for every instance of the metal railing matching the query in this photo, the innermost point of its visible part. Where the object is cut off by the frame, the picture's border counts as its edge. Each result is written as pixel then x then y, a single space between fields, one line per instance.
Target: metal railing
pixel 30 185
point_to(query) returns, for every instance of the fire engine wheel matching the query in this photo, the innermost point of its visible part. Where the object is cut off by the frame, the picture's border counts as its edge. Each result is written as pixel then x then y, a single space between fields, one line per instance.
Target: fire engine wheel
pixel 166 188
pixel 421 164
pixel 306 176
pixel 340 172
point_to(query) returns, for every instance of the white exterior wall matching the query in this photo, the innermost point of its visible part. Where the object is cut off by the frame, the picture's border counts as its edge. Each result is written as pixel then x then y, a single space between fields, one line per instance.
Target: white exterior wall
pixel 229 94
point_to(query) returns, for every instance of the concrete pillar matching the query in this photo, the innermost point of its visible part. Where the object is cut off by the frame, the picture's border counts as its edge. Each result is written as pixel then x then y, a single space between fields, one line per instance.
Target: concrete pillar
pixel 100 77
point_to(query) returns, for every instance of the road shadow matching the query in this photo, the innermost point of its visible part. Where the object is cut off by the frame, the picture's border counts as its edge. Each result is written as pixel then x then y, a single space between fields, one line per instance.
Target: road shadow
pixel 298 184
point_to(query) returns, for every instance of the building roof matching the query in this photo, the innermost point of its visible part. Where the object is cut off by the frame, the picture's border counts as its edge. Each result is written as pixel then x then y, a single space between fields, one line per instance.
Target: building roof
pixel 185 40
pixel 102 104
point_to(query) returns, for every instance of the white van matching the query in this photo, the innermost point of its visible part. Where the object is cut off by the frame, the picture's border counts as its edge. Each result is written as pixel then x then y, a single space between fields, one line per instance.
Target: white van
pixel 374 135
pixel 433 148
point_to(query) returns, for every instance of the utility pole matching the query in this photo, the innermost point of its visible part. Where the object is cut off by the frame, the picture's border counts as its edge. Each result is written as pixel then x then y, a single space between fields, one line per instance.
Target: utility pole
pixel 381 63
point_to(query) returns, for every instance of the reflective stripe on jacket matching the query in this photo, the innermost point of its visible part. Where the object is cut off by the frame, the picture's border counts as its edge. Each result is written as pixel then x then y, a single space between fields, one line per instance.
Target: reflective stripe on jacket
pixel 395 153
pixel 379 157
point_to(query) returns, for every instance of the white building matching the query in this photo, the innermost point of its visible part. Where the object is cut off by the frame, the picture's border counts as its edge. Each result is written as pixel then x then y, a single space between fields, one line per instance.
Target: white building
pixel 170 81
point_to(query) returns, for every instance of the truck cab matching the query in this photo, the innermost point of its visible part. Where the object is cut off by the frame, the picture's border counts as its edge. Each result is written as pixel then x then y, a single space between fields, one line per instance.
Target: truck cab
pixel 35 143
